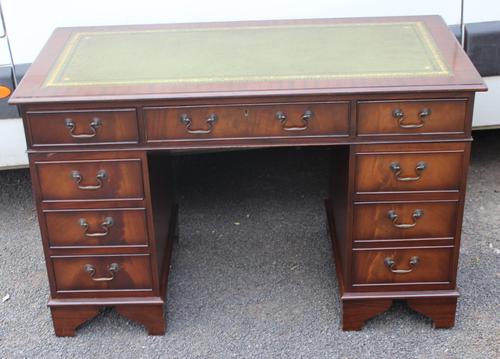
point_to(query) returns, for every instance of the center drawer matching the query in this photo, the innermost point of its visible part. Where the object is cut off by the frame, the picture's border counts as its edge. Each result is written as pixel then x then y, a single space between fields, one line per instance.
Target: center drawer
pixel 102 273
pixel 96 228
pixel 236 121
pixel 90 179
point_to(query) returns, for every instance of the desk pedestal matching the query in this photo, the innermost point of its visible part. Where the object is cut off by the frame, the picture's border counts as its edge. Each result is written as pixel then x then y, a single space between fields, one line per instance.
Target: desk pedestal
pixel 395 236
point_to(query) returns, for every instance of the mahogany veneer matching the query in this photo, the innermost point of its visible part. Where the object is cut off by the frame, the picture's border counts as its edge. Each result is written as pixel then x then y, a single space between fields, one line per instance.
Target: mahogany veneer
pixel 325 119
pixel 101 227
pixel 99 130
pixel 376 118
pixel 113 126
pixel 372 221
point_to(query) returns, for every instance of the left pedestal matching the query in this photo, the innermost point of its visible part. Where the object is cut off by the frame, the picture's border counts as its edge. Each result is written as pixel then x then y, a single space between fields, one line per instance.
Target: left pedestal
pixel 107 221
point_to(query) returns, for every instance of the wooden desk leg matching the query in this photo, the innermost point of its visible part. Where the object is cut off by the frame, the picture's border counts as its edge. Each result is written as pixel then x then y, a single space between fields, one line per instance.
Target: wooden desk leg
pixel 151 316
pixel 355 312
pixel 440 310
pixel 67 319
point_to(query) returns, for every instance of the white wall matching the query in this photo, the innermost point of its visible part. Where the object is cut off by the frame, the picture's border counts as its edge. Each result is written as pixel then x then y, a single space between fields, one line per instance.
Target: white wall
pixel 30 22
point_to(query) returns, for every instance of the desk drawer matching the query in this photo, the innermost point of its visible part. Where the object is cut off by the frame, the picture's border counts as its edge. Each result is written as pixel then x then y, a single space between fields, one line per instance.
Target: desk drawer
pixel 273 120
pixel 99 273
pixel 316 119
pixel 401 221
pixel 415 265
pixel 83 127
pixel 411 117
pixel 90 180
pixel 408 171
pixel 96 228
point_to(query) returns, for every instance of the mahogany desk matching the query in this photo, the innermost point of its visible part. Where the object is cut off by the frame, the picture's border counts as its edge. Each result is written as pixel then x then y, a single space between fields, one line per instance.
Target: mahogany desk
pixel 103 106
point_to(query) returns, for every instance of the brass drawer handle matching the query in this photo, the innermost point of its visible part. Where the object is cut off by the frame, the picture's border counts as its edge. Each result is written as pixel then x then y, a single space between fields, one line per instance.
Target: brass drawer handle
pixel 399 115
pixel 113 268
pixel 186 121
pixel 393 216
pixel 305 118
pixel 390 263
pixel 396 168
pixel 94 125
pixel 108 222
pixel 100 177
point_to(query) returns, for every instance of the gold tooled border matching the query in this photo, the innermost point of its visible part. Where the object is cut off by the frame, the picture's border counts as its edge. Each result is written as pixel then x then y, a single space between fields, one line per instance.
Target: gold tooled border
pixel 420 28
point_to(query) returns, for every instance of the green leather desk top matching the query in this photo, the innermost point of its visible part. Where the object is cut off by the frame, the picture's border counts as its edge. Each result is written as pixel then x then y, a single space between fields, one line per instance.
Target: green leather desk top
pixel 247 53
pixel 259 58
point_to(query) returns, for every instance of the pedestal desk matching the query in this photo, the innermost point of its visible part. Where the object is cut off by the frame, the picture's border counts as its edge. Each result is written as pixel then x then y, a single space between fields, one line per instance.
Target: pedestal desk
pixel 103 107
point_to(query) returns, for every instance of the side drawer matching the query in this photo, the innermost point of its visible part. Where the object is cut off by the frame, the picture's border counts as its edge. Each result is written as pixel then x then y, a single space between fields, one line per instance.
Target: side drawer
pixel 90 127
pixel 405 220
pixel 102 273
pixel 409 171
pixel 96 228
pixel 270 120
pixel 405 117
pixel 90 179
pixel 402 265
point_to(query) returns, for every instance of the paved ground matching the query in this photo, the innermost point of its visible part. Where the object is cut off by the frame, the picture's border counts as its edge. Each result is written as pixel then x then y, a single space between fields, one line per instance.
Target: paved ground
pixel 252 275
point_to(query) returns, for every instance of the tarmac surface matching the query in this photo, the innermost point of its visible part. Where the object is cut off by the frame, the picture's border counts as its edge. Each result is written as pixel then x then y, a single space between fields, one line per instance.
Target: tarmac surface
pixel 252 275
